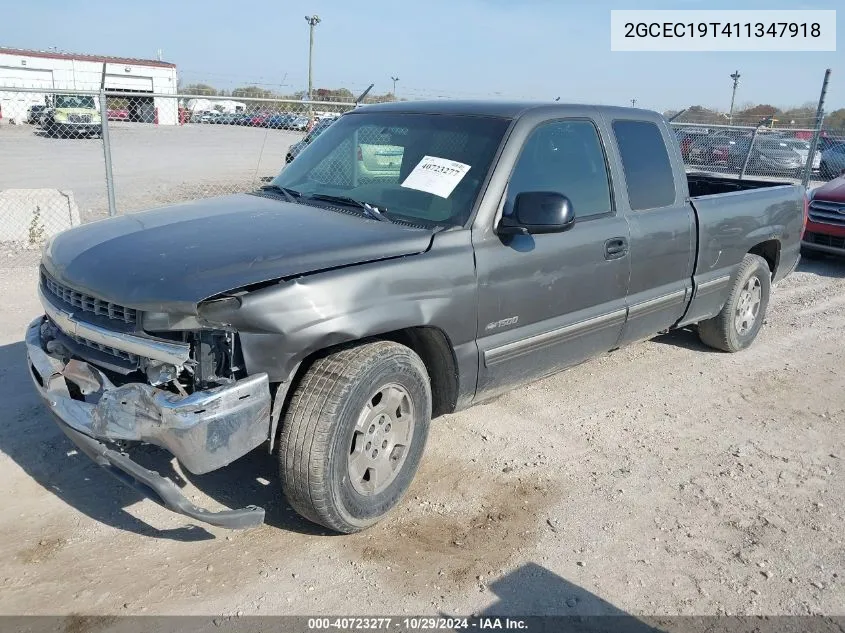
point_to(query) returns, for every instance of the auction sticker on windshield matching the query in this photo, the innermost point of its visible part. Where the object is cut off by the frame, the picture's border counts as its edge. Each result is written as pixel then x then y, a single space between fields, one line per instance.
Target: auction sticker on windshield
pixel 438 176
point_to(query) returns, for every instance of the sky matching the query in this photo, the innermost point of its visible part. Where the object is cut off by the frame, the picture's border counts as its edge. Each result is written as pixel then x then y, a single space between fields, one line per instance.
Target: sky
pixel 536 49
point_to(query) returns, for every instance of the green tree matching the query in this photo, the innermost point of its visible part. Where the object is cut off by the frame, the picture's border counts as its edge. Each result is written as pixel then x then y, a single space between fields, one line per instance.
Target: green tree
pixel 252 92
pixel 835 120
pixel 753 114
pixel 198 89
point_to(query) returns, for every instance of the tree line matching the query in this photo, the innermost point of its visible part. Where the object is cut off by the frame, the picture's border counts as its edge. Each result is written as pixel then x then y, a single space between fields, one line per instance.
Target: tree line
pixel 257 92
pixel 801 117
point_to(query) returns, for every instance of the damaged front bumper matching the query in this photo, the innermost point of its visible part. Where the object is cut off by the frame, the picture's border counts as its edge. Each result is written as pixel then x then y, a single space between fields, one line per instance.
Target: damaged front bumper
pixel 204 431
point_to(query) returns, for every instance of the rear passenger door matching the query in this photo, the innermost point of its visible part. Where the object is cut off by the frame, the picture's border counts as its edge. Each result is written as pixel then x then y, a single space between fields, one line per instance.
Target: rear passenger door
pixel 662 225
pixel 549 301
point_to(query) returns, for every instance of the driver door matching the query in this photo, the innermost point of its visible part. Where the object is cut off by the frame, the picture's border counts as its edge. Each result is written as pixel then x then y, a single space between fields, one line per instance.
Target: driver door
pixel 549 301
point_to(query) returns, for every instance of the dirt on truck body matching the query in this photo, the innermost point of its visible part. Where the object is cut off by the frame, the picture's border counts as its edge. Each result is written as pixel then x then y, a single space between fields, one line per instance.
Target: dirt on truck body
pixel 332 314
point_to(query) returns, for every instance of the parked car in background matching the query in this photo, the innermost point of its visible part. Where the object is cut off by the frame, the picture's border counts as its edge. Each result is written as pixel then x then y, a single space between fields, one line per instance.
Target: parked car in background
pixel 254 119
pixel 118 114
pixel 832 162
pixel 36 114
pixel 714 149
pixel 296 148
pixel 827 141
pixel 802 148
pixel 825 233
pixel 206 116
pixel 287 122
pixel 228 118
pixel 769 155
pixel 72 116
pixel 686 137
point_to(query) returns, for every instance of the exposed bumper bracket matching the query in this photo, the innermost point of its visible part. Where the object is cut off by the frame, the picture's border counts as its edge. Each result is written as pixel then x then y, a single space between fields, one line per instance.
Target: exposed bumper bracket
pixel 158 488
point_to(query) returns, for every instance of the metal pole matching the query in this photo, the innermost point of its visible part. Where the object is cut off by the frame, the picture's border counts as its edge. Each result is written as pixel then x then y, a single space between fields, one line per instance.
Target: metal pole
pixel 677 115
pixel 395 79
pixel 633 103
pixel 735 77
pixel 104 135
pixel 313 20
pixel 814 144
pixel 748 154
pixel 311 61
pixel 104 122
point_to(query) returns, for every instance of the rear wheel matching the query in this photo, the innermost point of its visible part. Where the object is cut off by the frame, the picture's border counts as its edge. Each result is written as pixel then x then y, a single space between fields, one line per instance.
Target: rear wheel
pixel 354 434
pixel 741 318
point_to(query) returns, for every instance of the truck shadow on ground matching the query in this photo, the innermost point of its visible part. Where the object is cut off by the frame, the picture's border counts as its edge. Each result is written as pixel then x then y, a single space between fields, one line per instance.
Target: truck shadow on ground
pixel 29 437
pixel 824 266
pixel 686 338
pixel 531 590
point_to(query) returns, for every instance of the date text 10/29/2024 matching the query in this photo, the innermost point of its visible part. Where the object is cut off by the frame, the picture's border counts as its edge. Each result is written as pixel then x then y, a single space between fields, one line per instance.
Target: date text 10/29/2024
pixel 417 624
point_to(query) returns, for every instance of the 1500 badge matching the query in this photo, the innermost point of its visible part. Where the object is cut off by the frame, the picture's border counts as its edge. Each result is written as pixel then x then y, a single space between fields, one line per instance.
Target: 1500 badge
pixel 502 323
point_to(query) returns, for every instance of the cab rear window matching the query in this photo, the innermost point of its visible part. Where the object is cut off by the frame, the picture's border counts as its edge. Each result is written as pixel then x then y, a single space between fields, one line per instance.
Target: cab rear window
pixel 648 172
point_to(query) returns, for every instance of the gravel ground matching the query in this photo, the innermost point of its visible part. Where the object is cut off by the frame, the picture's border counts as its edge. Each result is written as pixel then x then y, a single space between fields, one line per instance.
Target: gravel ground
pixel 661 479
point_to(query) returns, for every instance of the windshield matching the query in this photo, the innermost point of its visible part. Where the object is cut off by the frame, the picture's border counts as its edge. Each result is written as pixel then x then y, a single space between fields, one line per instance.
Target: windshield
pixel 74 101
pixel 425 168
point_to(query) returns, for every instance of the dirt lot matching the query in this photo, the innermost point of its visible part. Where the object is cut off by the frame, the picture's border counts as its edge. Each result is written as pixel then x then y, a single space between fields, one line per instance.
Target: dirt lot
pixel 662 479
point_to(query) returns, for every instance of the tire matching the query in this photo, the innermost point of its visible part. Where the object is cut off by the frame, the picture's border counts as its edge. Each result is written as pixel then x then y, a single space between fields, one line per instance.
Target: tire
pixel 337 422
pixel 729 330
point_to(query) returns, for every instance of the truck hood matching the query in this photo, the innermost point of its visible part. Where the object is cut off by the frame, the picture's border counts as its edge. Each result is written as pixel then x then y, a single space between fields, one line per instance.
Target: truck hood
pixel 833 191
pixel 172 258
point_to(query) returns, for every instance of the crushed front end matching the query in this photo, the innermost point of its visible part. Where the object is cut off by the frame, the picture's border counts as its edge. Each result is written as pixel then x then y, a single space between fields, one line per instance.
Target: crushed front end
pixel 110 379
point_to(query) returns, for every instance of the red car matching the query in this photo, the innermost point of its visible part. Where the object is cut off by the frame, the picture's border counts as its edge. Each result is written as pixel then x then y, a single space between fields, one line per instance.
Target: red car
pixel 256 119
pixel 825 232
pixel 118 115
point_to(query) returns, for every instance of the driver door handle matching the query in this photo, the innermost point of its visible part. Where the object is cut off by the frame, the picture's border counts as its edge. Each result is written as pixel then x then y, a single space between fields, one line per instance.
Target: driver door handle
pixel 615 247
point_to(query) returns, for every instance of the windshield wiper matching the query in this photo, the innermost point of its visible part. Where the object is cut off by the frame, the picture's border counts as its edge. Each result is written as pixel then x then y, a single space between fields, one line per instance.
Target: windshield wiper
pixel 369 209
pixel 289 194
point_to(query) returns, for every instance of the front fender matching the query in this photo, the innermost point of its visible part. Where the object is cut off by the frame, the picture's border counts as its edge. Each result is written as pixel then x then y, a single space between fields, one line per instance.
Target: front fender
pixel 283 324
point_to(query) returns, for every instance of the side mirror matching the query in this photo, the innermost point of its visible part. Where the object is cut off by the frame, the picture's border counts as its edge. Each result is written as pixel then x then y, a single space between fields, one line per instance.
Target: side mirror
pixel 538 212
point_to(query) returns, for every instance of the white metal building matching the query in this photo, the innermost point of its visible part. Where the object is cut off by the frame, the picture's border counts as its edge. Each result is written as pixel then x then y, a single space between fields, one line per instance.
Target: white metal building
pixel 69 71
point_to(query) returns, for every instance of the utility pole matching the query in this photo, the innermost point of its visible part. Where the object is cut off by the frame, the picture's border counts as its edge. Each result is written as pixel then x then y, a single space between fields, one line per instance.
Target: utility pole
pixel 313 20
pixel 633 103
pixel 735 77
pixel 395 79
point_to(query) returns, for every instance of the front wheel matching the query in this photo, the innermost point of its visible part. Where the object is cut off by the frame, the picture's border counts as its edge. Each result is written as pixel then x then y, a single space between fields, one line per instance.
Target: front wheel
pixel 741 318
pixel 354 434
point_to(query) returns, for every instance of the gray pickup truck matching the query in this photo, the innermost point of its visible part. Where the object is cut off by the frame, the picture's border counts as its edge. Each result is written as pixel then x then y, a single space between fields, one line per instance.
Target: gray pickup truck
pixel 332 314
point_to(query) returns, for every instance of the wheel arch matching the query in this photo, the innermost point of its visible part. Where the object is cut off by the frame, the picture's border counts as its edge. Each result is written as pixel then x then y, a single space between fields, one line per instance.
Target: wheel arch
pixel 770 251
pixel 430 343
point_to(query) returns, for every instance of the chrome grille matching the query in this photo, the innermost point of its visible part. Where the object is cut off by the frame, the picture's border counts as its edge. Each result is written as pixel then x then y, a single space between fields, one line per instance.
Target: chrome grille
pixel 132 358
pixel 87 303
pixel 827 212
pixel 79 118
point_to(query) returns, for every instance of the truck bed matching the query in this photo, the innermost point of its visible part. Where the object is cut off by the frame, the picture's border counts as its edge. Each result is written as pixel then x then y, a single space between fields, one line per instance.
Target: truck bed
pixel 710 185
pixel 734 217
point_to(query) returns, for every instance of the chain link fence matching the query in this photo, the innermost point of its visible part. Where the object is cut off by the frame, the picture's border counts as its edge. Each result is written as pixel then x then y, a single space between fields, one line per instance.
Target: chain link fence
pixel 69 157
pixel 742 151
pixel 72 157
